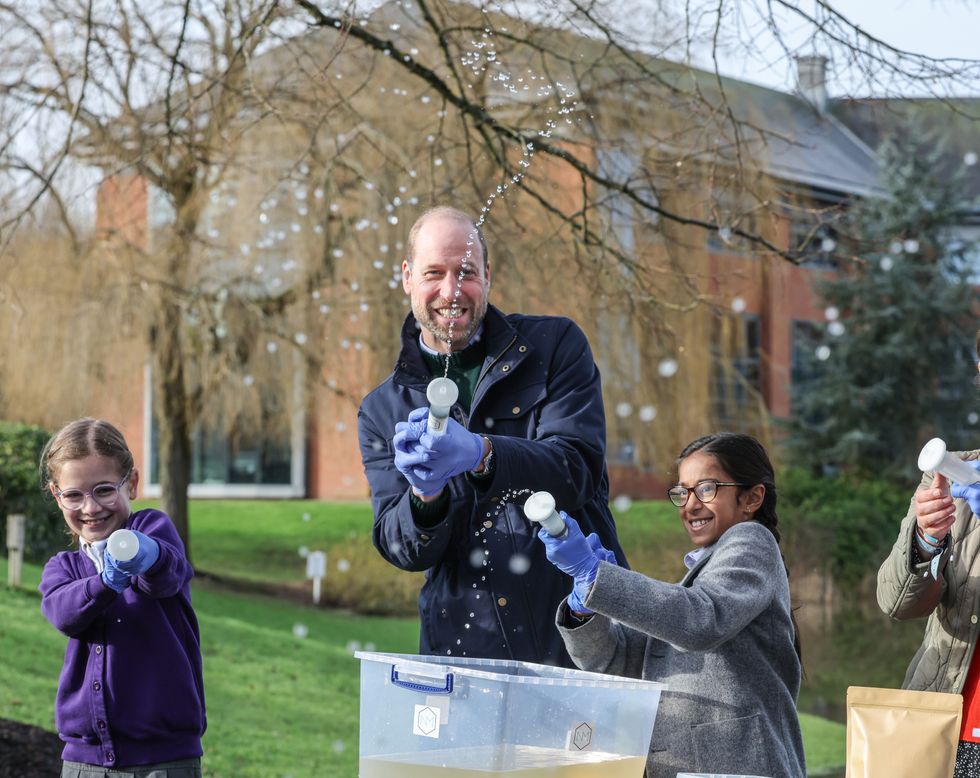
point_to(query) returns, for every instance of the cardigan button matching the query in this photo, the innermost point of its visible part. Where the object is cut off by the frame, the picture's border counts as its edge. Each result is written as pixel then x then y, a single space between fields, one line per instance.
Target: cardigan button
pixel 522 349
pixel 973 619
pixel 501 601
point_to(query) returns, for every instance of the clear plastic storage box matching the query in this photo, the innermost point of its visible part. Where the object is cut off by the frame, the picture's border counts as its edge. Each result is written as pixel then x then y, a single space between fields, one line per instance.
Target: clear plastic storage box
pixel 451 717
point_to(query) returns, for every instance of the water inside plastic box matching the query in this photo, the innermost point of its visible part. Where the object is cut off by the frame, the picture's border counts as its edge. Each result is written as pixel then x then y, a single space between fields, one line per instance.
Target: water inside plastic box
pixel 450 717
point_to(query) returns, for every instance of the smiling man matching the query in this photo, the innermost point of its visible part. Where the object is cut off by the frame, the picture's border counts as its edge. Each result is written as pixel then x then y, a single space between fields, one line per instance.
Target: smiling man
pixel 529 418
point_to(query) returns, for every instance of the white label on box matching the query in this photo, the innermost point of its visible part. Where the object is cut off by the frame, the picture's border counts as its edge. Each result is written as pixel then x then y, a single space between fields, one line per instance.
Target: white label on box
pixel 440 701
pixel 579 737
pixel 426 721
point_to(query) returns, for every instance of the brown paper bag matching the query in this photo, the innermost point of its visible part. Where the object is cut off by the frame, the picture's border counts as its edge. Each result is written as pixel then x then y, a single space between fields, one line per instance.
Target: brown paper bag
pixel 893 733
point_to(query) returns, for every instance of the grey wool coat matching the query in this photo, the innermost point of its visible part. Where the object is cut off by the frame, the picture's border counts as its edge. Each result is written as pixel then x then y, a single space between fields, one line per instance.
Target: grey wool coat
pixel 722 641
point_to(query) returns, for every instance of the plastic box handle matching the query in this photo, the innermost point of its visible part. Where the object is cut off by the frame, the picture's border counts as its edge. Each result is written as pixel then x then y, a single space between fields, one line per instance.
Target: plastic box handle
pixel 447 688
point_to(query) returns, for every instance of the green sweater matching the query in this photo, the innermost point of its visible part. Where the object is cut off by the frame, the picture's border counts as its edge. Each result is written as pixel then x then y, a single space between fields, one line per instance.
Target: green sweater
pixel 464 369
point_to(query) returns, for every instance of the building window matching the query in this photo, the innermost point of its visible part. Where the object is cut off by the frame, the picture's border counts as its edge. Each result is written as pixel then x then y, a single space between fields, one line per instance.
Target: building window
pixel 242 459
pixel 806 336
pixel 617 208
pixel 737 379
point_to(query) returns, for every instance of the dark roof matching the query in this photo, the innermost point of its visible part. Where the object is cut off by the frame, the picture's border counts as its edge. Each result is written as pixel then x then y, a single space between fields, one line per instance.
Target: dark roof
pixel 801 145
pixel 954 123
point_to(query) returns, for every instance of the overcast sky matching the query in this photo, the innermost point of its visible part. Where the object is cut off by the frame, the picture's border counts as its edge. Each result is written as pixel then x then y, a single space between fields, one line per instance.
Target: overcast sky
pixel 937 28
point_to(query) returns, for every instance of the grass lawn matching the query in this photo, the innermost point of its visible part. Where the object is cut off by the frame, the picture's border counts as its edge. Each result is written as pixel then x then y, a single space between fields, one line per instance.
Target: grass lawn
pixel 281 705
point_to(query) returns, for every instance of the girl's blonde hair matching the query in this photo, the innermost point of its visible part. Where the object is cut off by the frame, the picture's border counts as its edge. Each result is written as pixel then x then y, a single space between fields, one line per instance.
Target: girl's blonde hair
pixel 79 439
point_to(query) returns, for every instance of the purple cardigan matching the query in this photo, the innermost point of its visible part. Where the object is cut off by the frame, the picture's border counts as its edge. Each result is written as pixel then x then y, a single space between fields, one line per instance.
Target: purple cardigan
pixel 132 690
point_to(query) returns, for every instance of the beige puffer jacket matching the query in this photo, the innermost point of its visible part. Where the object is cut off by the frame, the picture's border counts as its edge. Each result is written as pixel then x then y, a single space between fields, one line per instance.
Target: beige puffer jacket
pixel 907 591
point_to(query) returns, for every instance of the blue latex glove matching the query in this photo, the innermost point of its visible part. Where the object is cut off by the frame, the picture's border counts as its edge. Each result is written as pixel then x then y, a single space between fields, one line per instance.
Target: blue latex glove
pixel 146 556
pixel 112 576
pixel 457 451
pixel 411 455
pixel 578 556
pixel 581 589
pixel 969 493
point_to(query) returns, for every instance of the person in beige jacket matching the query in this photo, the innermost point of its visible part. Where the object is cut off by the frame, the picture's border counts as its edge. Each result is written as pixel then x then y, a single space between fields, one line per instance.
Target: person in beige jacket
pixel 934 570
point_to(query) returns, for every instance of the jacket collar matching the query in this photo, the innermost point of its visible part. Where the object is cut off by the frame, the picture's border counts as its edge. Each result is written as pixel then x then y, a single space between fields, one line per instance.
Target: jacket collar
pixel 500 335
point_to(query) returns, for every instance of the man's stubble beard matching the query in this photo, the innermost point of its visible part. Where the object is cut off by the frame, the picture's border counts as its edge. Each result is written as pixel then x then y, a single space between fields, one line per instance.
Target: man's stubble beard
pixel 460 337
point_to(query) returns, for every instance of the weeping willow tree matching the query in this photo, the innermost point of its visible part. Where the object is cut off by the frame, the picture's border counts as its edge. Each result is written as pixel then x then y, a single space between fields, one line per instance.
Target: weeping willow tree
pixel 283 152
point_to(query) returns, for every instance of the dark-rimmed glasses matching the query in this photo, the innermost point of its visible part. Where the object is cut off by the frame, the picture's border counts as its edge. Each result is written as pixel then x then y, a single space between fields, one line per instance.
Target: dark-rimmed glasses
pixel 704 490
pixel 103 494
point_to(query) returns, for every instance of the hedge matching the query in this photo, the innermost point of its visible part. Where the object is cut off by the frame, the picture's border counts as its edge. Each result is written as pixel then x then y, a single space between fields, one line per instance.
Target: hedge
pixel 20 491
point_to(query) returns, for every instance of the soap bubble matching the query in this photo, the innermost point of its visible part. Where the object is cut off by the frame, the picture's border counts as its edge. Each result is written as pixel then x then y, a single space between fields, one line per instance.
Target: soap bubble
pixel 972 418
pixel 623 410
pixel 831 313
pixel 667 367
pixel 304 551
pixel 738 304
pixel 895 247
pixel 970 158
pixel 648 413
pixel 248 380
pixel 300 631
pixel 476 558
pixel 836 328
pixel 353 645
pixel 623 503
pixel 828 245
pixel 911 246
pixel 306 516
pixel 886 263
pixel 343 565
pixel 338 746
pixel 272 347
pixel 519 564
pixel 823 353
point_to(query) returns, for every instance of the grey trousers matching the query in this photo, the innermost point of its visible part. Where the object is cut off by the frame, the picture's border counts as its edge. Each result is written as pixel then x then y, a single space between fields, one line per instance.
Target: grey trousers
pixel 185 768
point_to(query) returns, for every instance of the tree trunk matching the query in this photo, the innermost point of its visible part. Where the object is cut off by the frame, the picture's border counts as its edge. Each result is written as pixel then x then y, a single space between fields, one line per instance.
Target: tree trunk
pixel 170 405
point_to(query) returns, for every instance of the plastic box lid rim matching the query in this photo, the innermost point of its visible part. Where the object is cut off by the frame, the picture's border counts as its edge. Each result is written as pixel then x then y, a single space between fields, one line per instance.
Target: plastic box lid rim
pixel 563 676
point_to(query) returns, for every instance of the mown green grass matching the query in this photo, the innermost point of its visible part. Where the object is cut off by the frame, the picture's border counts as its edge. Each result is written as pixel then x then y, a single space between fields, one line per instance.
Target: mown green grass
pixel 279 705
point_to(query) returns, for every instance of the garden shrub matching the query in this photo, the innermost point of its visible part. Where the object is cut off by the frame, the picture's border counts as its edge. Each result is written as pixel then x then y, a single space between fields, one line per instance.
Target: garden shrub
pixel 842 525
pixel 20 491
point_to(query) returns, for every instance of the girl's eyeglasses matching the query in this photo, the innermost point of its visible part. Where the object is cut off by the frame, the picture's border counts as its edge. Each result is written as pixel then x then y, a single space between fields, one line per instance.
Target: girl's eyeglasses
pixel 704 490
pixel 105 495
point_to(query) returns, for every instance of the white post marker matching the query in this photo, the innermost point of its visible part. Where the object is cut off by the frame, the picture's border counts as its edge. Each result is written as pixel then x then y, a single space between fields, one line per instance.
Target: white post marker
pixel 316 568
pixel 123 545
pixel 934 456
pixel 441 394
pixel 15 548
pixel 540 508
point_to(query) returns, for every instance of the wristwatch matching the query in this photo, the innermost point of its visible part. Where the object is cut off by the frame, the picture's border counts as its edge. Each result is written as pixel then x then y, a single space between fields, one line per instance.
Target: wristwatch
pixel 486 462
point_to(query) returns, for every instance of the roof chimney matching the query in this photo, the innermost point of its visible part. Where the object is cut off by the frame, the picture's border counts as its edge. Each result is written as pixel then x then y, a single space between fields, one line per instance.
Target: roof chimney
pixel 811 80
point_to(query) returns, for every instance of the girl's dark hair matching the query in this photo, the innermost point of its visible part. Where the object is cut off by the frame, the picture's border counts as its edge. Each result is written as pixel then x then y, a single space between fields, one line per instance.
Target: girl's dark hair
pixel 745 459
pixel 79 439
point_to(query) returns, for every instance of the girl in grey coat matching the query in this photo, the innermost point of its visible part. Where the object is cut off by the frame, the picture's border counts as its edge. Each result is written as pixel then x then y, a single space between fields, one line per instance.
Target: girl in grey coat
pixel 723 639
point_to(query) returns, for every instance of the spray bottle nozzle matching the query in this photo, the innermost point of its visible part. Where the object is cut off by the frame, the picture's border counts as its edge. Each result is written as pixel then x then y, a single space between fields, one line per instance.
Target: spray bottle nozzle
pixel 540 508
pixel 934 456
pixel 441 393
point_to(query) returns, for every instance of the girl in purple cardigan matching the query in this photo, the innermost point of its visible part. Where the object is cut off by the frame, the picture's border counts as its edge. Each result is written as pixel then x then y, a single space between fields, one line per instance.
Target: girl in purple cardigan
pixel 131 693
